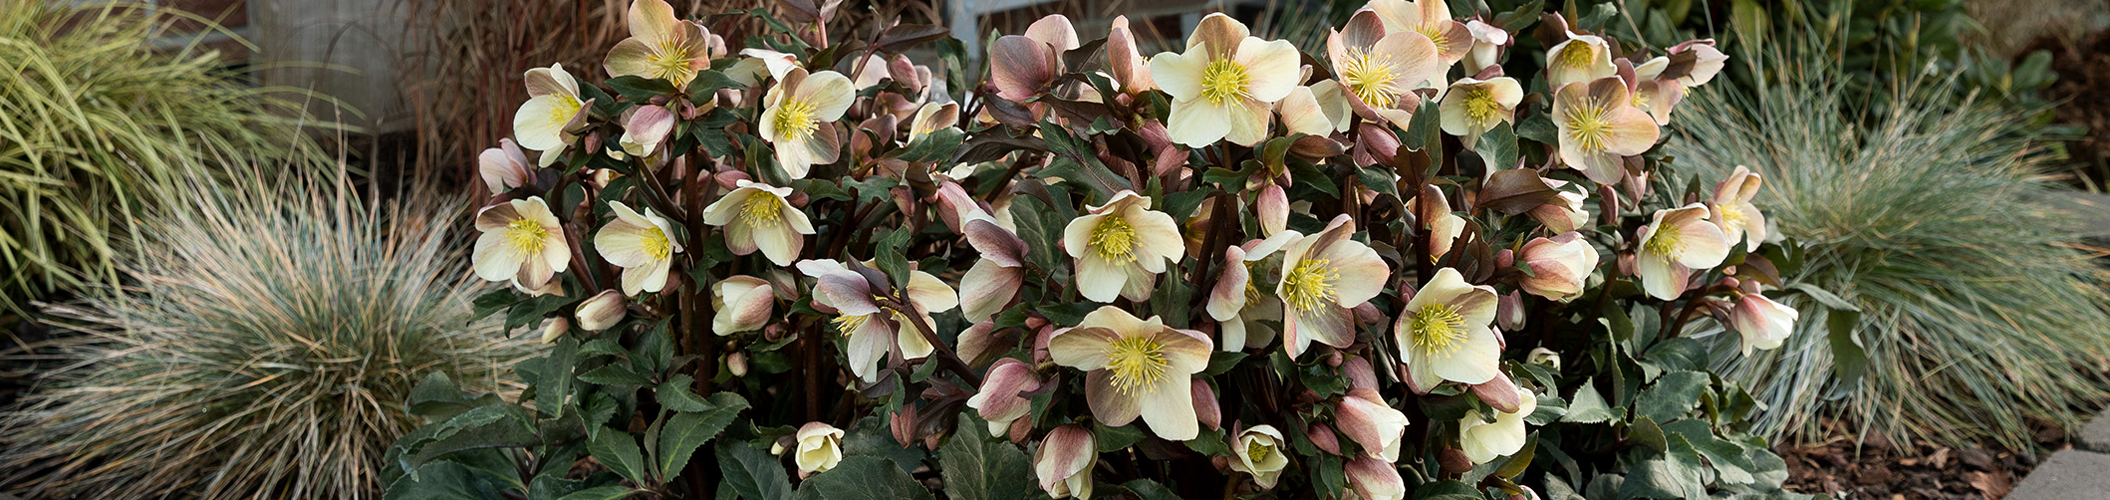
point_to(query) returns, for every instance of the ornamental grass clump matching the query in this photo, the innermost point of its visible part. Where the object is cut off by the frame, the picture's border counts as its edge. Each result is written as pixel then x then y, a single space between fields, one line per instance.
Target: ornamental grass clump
pixel 1979 313
pixel 264 347
pixel 1230 269
pixel 94 118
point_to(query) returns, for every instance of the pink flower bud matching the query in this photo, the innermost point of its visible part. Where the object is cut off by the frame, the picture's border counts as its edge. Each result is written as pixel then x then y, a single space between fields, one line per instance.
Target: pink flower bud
pixel 1206 409
pixel 1763 323
pixel 1064 462
pixel 1374 479
pixel 1323 437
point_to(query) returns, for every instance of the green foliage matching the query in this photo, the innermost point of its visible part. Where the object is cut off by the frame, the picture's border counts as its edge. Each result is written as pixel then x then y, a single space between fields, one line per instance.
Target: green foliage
pixel 271 345
pixel 94 120
pixel 1979 313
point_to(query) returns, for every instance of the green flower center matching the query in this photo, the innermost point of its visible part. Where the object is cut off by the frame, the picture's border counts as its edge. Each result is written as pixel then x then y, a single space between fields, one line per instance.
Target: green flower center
pixel 655 243
pixel 795 120
pixel 1587 126
pixel 1665 242
pixel 1224 81
pixel 1114 240
pixel 1370 76
pixel 1257 451
pixel 761 210
pixel 671 63
pixel 1438 330
pixel 1577 54
pixel 526 236
pixel 1310 285
pixel 1135 363
pixel 1480 105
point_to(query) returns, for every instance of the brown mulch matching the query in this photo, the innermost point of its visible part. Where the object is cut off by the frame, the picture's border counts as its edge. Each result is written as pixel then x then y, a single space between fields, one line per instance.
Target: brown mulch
pixel 1882 469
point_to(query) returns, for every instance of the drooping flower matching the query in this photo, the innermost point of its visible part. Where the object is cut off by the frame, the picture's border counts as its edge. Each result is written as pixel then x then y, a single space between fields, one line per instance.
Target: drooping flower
pixel 1126 63
pixel 1693 63
pixel 660 46
pixel 1473 107
pixel 1444 225
pixel 1224 86
pixel 1381 68
pixel 1120 247
pixel 1135 367
pixel 601 311
pixel 552 110
pixel 1733 211
pixel 1487 46
pixel 756 217
pixel 1763 323
pixel 504 167
pixel 800 119
pixel 644 129
pixel 998 401
pixel 932 117
pixel 875 330
pixel 1319 303
pixel 1565 212
pixel 1579 59
pixel 1484 441
pixel 1064 462
pixel 1022 66
pixel 1432 20
pixel 1599 126
pixel 1374 479
pixel 639 244
pixel 521 242
pixel 1237 303
pixel 1443 333
pixel 1559 266
pixel 776 64
pixel 1677 242
pixel 996 276
pixel 1258 451
pixel 1372 424
pixel 820 448
pixel 743 303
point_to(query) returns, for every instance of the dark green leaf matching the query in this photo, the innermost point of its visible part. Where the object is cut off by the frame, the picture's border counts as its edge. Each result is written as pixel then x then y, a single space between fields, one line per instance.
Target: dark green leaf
pixel 1849 358
pixel 1672 396
pixel 615 374
pixel 1538 127
pixel 1676 475
pixel 1446 490
pixel 978 469
pixel 1115 438
pixel 618 450
pixel 1498 147
pixel 687 431
pixel 601 493
pixel 1588 406
pixel 752 473
pixel 1221 361
pixel 937 146
pixel 1149 490
pixel 674 394
pixel 639 89
pixel 863 478
pixel 1181 205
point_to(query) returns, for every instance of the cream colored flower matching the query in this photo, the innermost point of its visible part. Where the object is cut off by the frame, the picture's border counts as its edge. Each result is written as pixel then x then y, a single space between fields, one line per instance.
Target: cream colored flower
pixel 1224 85
pixel 1374 479
pixel 932 117
pixel 601 311
pixel 1318 300
pixel 1675 244
pixel 555 329
pixel 820 448
pixel 552 110
pixel 800 116
pixel 756 217
pixel 1599 127
pixel 1236 302
pixel 522 242
pixel 1763 323
pixel 639 244
pixel 1733 211
pixel 1443 333
pixel 998 400
pixel 1565 212
pixel 1559 266
pixel 1432 20
pixel 1579 59
pixel 1487 46
pixel 1372 424
pixel 776 64
pixel 644 129
pixel 1472 107
pixel 1120 247
pixel 1259 451
pixel 875 330
pixel 1064 462
pixel 1381 68
pixel 1320 109
pixel 660 46
pixel 504 167
pixel 743 303
pixel 1484 441
pixel 1135 367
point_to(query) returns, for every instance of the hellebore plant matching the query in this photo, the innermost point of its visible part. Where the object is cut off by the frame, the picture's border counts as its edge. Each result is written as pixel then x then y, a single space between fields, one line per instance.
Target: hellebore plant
pixel 1062 268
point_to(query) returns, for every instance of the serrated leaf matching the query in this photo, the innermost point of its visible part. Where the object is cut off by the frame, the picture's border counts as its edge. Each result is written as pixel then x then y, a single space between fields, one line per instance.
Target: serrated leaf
pixel 688 431
pixel 752 473
pixel 860 477
pixel 674 394
pixel 1498 147
pixel 553 386
pixel 979 469
pixel 615 374
pixel 1588 407
pixel 618 451
pixel 601 493
pixel 1678 474
pixel 1672 396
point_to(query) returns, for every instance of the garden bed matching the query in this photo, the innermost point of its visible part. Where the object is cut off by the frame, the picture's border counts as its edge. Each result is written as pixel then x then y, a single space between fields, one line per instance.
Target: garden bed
pixel 1880 468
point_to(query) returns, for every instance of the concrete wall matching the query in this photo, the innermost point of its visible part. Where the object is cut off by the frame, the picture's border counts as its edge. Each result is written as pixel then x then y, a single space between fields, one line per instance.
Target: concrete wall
pixel 348 49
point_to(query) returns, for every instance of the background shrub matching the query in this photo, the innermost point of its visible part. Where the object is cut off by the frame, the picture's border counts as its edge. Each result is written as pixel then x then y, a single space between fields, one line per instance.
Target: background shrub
pixel 263 349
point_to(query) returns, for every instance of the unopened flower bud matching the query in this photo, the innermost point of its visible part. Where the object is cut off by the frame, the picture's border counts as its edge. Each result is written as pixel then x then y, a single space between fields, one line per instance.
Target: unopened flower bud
pixel 1206 409
pixel 1323 437
pixel 1544 356
pixel 736 363
pixel 602 311
pixel 1509 312
pixel 555 328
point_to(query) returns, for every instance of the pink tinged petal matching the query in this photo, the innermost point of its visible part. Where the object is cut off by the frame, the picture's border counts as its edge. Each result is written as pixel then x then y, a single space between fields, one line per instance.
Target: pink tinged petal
pixel 1067 451
pixel 1109 404
pixel 1374 479
pixel 987 288
pixel 1457 41
pixel 1169 409
pixel 1195 123
pixel 1220 33
pixel 740 238
pixel 1228 297
pixel 1273 204
pixel 748 303
pixel 847 292
pixel 1021 67
pixel 996 243
pixel 1206 408
pixel 869 342
pixel 1499 392
pixel 1056 31
pixel 1272 67
pixel 1420 378
pixel 980 342
pixel 1301 114
pixel 1186 351
pixel 1139 284
pixel 1332 326
pixel 501 169
pixel 1631 132
pixel 998 398
pixel 1372 425
pixel 1705 245
pixel 1083 348
pixel 1364 28
pixel 631 57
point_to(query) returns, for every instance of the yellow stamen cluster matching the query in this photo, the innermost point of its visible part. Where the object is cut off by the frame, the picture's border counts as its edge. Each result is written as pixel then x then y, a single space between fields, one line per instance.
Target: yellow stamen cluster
pixel 562 108
pixel 1732 215
pixel 847 323
pixel 1438 330
pixel 1224 81
pixel 1310 285
pixel 1587 126
pixel 1114 240
pixel 1664 242
pixel 1639 100
pixel 1136 363
pixel 1577 54
pixel 1480 105
pixel 1252 290
pixel 795 120
pixel 671 62
pixel 1435 31
pixel 761 210
pixel 1256 451
pixel 525 236
pixel 1370 76
pixel 655 244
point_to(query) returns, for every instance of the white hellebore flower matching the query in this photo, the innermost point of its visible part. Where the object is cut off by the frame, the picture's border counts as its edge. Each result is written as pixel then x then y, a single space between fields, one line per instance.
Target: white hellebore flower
pixel 1432 20
pixel 552 110
pixel 601 311
pixel 1579 59
pixel 1064 462
pixel 1120 247
pixel 1372 424
pixel 874 330
pixel 1487 46
pixel 1473 107
pixel 1136 367
pixel 1485 441
pixel 743 304
pixel 1676 243
pixel 998 401
pixel 1237 304
pixel 756 217
pixel 1320 109
pixel 1443 333
pixel 1559 265
pixel 820 448
pixel 1763 323
pixel 1224 85
pixel 800 118
pixel 1258 451
pixel 522 242
pixel 1318 301
pixel 1599 126
pixel 1733 211
pixel 504 167
pixel 1381 68
pixel 639 244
